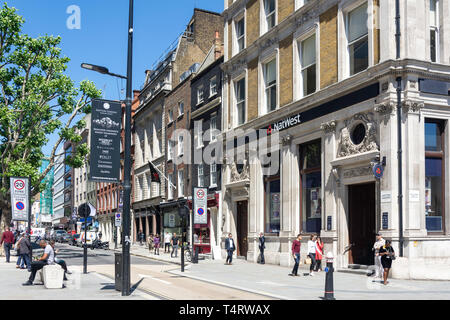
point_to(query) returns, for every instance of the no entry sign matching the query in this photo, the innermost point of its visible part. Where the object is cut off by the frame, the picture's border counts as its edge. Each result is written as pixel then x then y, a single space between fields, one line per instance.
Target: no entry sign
pixel 200 206
pixel 19 198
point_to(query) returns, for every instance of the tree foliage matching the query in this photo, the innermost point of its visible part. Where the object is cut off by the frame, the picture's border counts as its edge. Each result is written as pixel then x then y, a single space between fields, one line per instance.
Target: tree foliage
pixel 37 99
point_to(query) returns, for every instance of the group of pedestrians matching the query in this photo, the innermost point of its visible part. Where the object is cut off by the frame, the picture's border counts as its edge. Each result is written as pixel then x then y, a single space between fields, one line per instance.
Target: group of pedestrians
pixel 171 243
pixel 315 254
pixel 384 254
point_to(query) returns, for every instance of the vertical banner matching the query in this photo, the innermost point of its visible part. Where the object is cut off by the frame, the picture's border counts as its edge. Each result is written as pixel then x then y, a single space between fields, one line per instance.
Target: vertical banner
pixel 19 198
pixel 105 141
pixel 200 206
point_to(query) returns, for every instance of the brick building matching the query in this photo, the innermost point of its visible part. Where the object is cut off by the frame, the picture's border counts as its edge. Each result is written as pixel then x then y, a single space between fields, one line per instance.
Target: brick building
pixel 322 74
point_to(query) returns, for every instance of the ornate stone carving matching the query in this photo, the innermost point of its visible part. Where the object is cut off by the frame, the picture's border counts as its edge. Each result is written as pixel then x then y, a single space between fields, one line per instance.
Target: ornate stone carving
pixel 385 108
pixel 369 142
pixel 244 175
pixel 328 127
pixel 410 106
pixel 358 172
pixel 286 140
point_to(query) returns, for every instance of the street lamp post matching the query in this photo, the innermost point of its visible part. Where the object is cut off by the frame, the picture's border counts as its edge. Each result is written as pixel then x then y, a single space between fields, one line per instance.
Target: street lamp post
pixel 127 153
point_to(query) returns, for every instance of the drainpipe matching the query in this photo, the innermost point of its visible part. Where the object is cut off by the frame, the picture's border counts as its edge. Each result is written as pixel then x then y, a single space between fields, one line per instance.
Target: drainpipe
pixel 399 131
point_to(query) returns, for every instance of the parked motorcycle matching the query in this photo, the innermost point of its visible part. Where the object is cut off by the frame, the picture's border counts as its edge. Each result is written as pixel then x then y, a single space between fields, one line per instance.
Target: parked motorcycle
pixel 97 244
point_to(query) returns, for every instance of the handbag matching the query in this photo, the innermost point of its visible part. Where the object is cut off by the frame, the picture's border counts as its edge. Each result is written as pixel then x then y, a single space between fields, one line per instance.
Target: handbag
pixel 308 260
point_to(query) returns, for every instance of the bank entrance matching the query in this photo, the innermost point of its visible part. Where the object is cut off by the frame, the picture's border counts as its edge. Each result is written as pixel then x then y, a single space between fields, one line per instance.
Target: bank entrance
pixel 361 223
pixel 242 228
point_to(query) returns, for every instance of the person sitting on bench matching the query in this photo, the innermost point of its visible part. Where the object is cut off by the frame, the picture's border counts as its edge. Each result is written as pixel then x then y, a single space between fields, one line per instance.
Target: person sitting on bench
pixel 47 258
pixel 61 262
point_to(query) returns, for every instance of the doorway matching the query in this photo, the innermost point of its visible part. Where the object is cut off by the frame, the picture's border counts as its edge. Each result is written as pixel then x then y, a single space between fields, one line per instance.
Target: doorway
pixel 242 228
pixel 361 223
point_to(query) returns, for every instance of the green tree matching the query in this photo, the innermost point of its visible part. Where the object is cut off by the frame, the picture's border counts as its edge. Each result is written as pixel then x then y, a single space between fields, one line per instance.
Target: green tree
pixel 36 100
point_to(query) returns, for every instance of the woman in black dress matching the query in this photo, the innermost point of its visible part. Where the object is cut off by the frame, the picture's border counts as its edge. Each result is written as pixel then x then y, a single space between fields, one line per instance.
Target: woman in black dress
pixel 387 255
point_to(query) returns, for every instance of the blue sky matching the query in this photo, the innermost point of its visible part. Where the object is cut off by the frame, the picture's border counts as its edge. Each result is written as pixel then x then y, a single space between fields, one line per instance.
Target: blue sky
pixel 102 38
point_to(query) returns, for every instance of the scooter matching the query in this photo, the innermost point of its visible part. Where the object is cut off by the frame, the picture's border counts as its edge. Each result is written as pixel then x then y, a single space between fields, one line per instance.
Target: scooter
pixel 97 244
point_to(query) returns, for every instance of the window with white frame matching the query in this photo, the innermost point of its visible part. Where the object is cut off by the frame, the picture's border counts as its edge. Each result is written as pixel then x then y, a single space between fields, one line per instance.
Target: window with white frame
pixel 300 3
pixel 180 108
pixel 199 133
pixel 180 145
pixel 170 115
pixel 180 183
pixel 240 101
pixel 358 39
pixel 213 86
pixel 308 65
pixel 240 34
pixel 213 174
pixel 201 178
pixel 200 95
pixel 170 149
pixel 434 30
pixel 270 84
pixel 270 14
pixel 213 127
pixel 170 186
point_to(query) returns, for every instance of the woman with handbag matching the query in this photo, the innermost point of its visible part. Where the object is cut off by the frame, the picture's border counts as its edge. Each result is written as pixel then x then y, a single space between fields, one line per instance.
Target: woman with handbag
pixel 319 254
pixel 312 253
pixel 387 255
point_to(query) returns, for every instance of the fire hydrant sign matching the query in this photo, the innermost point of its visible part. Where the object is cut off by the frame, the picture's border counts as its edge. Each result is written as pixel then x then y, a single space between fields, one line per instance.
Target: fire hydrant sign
pixel 105 140
pixel 19 198
pixel 200 206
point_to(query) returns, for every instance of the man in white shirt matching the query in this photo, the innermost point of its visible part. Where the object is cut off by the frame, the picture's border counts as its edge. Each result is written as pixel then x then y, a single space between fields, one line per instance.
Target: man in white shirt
pixel 47 258
pixel 167 240
pixel 380 242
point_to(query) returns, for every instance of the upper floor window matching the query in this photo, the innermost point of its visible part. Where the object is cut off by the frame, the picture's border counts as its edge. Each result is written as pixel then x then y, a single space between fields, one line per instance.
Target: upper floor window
pixel 170 186
pixel 199 133
pixel 270 14
pixel 180 145
pixel 180 183
pixel 180 108
pixel 300 3
pixel 170 149
pixel 213 127
pixel 200 95
pixel 434 30
pixel 308 65
pixel 358 39
pixel 213 86
pixel 170 115
pixel 240 34
pixel 270 83
pixel 201 178
pixel 213 172
pixel 240 101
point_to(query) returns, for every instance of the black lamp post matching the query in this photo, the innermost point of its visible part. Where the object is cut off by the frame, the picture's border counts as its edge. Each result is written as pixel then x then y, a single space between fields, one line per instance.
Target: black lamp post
pixel 127 154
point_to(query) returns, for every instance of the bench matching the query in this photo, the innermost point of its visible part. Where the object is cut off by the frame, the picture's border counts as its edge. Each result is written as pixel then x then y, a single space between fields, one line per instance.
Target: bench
pixel 52 276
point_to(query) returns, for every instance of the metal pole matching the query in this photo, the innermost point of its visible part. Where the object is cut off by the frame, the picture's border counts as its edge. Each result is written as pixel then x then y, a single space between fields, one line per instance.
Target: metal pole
pixel 29 206
pixel 85 243
pixel 127 164
pixel 399 133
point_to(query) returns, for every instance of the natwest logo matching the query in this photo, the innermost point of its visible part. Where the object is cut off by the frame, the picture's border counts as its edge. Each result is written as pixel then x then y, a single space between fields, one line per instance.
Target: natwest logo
pixel 284 124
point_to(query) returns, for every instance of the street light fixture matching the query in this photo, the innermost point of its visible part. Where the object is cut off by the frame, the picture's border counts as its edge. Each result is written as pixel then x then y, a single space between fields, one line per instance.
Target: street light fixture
pixel 100 69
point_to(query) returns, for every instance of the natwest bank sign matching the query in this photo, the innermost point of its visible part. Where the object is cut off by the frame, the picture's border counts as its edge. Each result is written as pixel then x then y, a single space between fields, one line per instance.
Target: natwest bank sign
pixel 284 124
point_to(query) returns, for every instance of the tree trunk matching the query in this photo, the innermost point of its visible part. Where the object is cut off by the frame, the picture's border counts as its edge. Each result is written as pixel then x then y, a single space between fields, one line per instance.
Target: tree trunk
pixel 5 219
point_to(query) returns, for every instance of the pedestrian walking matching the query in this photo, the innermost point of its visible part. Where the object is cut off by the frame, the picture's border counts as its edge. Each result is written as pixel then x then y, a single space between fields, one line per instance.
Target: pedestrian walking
pixel 175 242
pixel 296 244
pixel 379 271
pixel 17 247
pixel 25 251
pixel 262 246
pixel 156 243
pixel 312 253
pixel 141 237
pixel 47 258
pixel 387 255
pixel 150 242
pixel 7 241
pixel 319 254
pixel 230 247
pixel 167 241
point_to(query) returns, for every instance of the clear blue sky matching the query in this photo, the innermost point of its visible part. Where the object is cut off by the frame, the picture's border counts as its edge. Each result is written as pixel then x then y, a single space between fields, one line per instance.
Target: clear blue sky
pixel 102 38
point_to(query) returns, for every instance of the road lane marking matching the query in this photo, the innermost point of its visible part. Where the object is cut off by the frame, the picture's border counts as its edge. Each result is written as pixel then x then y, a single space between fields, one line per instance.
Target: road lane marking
pixel 150 277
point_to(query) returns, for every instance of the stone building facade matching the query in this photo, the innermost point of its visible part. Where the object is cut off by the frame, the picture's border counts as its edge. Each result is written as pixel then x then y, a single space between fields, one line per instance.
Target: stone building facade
pixel 322 74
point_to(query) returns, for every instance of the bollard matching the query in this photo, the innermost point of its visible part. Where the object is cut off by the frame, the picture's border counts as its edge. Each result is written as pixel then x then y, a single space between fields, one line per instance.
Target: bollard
pixel 329 290
pixel 195 258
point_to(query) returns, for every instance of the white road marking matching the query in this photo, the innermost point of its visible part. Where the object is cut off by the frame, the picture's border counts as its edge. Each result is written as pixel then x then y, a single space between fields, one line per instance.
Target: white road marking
pixel 150 277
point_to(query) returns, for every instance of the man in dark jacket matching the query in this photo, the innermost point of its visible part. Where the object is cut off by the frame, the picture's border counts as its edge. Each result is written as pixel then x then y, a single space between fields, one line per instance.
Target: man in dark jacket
pixel 230 247
pixel 262 246
pixel 25 251
pixel 296 244
pixel 7 241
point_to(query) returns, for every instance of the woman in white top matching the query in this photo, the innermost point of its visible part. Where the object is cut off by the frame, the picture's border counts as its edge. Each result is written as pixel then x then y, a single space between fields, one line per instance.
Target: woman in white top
pixel 312 253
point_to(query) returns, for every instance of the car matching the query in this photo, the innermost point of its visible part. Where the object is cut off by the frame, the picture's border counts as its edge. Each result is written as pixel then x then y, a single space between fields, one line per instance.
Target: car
pixel 61 236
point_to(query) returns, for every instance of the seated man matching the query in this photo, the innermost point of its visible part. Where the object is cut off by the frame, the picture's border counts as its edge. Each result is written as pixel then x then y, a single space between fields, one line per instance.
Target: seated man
pixel 47 258
pixel 61 262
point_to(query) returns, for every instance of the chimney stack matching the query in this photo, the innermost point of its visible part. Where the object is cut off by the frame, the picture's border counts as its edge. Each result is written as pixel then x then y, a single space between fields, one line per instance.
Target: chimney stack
pixel 218 47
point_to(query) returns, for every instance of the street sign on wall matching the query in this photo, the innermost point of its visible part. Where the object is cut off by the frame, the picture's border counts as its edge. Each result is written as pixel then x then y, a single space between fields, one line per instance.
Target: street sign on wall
pixel 200 206
pixel 118 220
pixel 19 198
pixel 105 141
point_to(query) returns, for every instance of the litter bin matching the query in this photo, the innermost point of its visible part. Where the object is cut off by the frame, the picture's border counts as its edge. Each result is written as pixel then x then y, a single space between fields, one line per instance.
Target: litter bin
pixel 118 271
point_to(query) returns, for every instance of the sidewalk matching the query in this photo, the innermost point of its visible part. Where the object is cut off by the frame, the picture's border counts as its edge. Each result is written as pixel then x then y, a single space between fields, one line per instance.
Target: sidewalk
pixel 142 251
pixel 91 286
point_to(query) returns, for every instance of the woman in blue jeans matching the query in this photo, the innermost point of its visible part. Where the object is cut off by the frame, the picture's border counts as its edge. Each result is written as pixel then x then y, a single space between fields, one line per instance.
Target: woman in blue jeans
pixel 24 245
pixel 312 253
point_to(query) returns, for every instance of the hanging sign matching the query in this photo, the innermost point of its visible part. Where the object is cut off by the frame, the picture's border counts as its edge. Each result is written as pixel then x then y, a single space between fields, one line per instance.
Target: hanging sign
pixel 378 170
pixel 19 198
pixel 200 206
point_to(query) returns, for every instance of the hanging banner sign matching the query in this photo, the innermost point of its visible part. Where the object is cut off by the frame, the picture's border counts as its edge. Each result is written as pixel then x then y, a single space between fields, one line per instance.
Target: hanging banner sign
pixel 19 198
pixel 105 141
pixel 200 206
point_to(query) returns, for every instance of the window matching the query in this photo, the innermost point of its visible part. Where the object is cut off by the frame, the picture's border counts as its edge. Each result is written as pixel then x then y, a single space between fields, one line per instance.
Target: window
pixel 434 30
pixel 270 82
pixel 180 183
pixel 300 3
pixel 240 101
pixel 240 34
pixel 434 174
pixel 311 187
pixel 213 127
pixel 180 145
pixel 200 95
pixel 180 108
pixel 213 173
pixel 199 133
pixel 308 65
pixel 143 150
pixel 273 205
pixel 358 39
pixel 170 149
pixel 213 86
pixel 170 186
pixel 269 10
pixel 170 116
pixel 201 179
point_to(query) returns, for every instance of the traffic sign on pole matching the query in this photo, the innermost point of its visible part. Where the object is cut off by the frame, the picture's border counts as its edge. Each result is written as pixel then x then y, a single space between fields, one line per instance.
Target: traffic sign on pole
pixel 200 206
pixel 20 198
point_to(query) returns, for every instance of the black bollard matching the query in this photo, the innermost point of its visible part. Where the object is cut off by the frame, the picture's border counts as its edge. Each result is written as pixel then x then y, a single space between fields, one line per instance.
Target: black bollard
pixel 195 259
pixel 329 288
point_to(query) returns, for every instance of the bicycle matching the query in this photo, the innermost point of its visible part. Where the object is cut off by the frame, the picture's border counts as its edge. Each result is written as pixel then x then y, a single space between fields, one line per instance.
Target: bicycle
pixel 187 253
